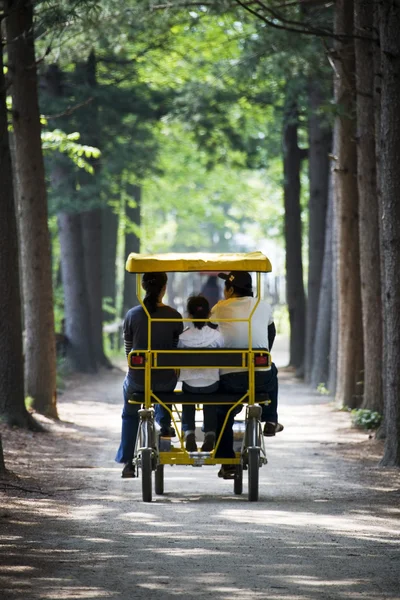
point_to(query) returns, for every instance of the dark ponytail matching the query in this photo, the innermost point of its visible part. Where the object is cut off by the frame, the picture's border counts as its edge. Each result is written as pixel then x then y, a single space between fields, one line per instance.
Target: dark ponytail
pixel 152 284
pixel 198 308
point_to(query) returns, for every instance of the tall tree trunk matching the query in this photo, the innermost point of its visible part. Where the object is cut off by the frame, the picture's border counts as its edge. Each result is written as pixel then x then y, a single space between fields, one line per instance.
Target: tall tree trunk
pixel 3 469
pixel 109 231
pixel 91 235
pixel 318 157
pixel 292 156
pixel 377 86
pixel 320 363
pixel 368 209
pixel 132 241
pixel 91 220
pixel 350 364
pixel 12 404
pixel 77 313
pixel 40 354
pixel 334 341
pixel 390 210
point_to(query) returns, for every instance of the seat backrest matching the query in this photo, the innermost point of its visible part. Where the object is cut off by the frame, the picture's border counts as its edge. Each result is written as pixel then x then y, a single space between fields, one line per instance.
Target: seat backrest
pixel 206 358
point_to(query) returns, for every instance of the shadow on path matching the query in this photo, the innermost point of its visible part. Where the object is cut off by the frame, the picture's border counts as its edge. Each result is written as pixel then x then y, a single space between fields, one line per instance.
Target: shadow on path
pixel 326 527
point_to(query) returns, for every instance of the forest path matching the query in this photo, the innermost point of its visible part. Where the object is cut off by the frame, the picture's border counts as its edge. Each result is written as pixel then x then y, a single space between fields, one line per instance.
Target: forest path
pixel 326 525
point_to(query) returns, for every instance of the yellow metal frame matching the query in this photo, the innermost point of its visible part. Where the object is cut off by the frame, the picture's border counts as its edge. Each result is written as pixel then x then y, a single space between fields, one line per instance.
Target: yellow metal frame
pixel 137 263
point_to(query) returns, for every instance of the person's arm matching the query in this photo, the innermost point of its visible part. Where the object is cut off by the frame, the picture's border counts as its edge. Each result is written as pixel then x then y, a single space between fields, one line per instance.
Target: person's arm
pixel 128 336
pixel 271 335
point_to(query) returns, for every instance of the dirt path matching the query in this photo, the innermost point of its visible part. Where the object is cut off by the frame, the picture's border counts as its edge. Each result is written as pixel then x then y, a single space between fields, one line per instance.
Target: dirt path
pixel 326 525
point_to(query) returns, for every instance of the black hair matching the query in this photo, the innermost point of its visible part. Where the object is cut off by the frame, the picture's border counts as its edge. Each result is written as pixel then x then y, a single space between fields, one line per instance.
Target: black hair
pixel 198 308
pixel 239 292
pixel 152 284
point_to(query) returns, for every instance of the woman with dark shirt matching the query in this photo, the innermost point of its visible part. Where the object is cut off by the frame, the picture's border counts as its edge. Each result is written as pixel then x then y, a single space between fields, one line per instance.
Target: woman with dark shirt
pixel 164 336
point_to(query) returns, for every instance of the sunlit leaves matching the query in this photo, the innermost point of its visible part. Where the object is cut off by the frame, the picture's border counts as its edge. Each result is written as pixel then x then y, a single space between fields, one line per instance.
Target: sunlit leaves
pixel 57 140
pixel 190 207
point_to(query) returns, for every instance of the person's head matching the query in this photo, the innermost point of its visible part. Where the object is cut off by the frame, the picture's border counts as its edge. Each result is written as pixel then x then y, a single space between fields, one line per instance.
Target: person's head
pixel 198 308
pixel 155 285
pixel 237 284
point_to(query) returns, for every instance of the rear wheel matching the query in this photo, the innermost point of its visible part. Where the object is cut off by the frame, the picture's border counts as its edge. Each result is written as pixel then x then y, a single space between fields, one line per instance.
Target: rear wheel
pixel 238 480
pixel 146 461
pixel 159 480
pixel 253 471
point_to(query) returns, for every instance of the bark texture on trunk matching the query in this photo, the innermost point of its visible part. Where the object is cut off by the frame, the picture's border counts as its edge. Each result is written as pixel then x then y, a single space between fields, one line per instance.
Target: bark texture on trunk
pixel 132 242
pixel 377 86
pixel 320 364
pixel 368 209
pixel 80 349
pixel 91 235
pixel 3 469
pixel 91 220
pixel 390 205
pixel 350 360
pixel 318 159
pixel 334 341
pixel 40 350
pixel 292 156
pixel 12 405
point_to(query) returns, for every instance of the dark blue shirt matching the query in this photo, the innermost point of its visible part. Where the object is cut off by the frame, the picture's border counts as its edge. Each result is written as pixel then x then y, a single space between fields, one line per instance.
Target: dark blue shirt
pixel 164 336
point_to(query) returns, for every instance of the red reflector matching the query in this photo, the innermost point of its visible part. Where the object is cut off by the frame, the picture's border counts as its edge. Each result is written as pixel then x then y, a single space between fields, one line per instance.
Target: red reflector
pixel 261 361
pixel 137 360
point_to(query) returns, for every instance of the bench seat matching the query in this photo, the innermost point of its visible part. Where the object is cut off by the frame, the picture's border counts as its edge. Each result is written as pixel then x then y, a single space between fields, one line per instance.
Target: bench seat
pixel 199 357
pixel 187 398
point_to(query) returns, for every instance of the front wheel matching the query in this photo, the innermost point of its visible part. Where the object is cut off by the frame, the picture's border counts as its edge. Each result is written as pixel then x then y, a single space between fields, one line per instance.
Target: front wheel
pixel 159 480
pixel 146 464
pixel 253 471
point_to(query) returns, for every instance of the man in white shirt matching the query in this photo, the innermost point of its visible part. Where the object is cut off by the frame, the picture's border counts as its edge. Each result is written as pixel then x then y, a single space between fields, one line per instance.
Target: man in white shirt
pixel 238 304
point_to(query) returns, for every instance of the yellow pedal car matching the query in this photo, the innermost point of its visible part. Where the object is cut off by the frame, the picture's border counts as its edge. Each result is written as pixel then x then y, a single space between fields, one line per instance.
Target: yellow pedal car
pixel 151 451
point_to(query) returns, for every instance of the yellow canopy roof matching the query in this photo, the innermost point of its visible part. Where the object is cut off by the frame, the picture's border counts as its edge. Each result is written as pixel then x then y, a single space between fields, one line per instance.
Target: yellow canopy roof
pixel 199 261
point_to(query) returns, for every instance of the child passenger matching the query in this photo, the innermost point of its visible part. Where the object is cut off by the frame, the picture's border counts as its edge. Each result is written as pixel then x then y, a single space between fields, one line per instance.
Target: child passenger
pixel 199 381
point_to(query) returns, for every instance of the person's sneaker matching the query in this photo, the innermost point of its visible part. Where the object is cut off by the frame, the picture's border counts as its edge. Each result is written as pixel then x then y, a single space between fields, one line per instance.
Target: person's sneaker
pixel 128 471
pixel 227 471
pixel 270 429
pixel 190 442
pixel 209 442
pixel 168 432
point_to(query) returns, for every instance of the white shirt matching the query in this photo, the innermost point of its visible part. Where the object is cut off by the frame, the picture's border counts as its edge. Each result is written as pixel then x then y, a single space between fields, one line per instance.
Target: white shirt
pixel 235 334
pixel 206 337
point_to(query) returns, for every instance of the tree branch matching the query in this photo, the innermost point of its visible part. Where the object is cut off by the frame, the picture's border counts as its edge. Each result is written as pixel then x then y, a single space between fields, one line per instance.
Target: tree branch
pixel 71 109
pixel 180 5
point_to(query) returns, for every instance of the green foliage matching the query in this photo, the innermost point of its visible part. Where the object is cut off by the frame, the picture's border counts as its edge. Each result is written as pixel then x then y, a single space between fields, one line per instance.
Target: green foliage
pixel 113 346
pixel 189 207
pixel 61 373
pixel 281 320
pixel 109 308
pixel 58 141
pixel 29 403
pixel 186 103
pixel 322 389
pixel 365 418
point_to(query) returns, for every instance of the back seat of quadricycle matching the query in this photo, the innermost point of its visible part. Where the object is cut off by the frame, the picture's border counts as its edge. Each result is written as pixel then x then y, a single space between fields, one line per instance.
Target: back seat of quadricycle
pixel 179 397
pixel 185 358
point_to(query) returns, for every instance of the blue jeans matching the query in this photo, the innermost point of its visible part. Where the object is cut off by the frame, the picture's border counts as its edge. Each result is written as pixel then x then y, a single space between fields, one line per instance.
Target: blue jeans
pixel 130 417
pixel 189 410
pixel 236 383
